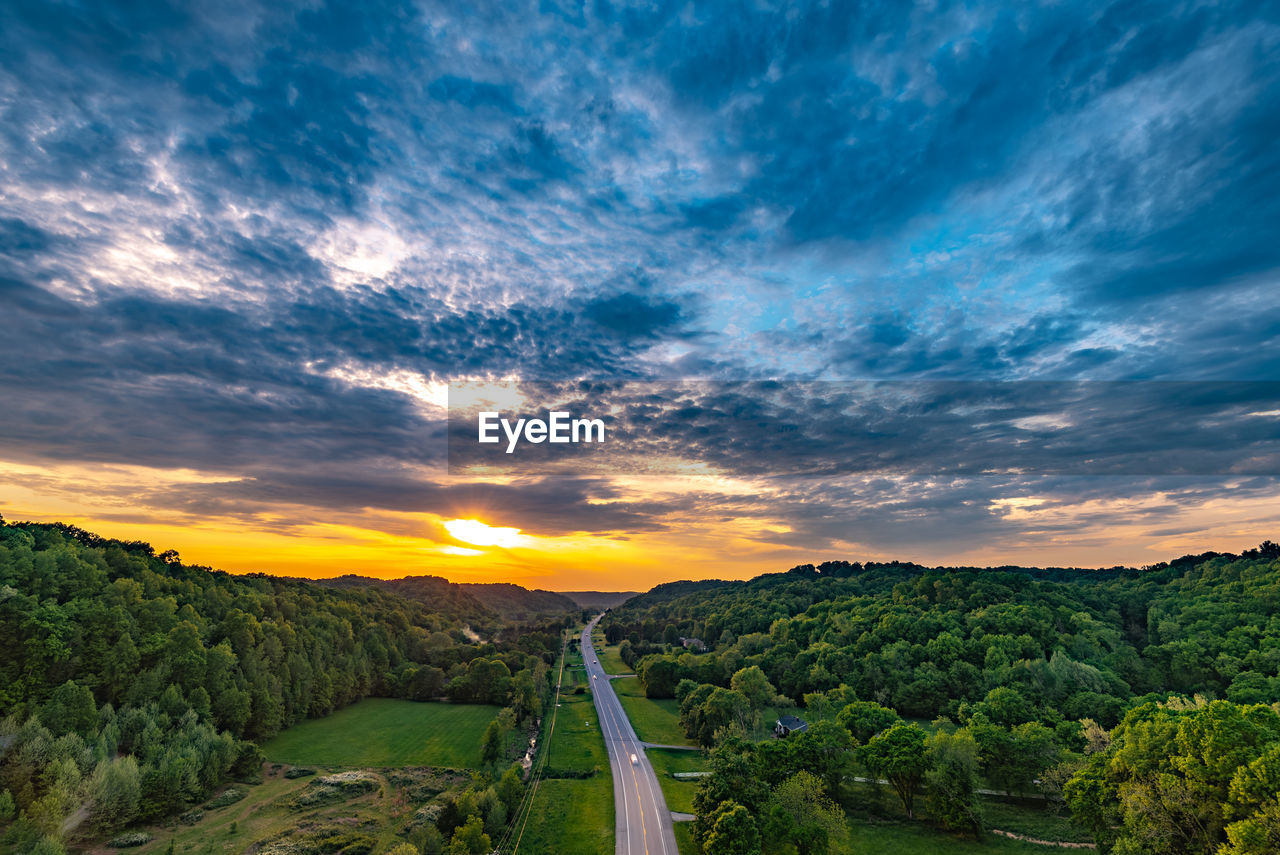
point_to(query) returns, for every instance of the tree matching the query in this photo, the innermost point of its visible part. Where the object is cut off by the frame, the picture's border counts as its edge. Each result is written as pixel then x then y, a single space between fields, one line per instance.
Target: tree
pixel 801 813
pixel 733 832
pixel 825 749
pixel 470 839
pixel 660 676
pixel 510 788
pixel 493 744
pixel 1257 835
pixel 899 755
pixel 755 687
pixel 952 780
pixel 735 775
pixel 70 709
pixel 864 719
pixel 1178 773
pixel 114 791
pixel 404 849
pixel 721 709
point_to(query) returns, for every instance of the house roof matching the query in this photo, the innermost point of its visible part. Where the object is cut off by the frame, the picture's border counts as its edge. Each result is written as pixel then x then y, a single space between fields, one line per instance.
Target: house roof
pixel 790 722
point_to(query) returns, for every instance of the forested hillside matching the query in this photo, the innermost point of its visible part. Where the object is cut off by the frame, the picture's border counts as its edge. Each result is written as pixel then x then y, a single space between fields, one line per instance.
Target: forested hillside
pixel 1093 688
pixel 513 602
pixel 131 684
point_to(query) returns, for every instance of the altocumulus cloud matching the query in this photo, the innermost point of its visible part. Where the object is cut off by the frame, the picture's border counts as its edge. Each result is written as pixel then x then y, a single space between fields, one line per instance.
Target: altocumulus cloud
pixel 229 231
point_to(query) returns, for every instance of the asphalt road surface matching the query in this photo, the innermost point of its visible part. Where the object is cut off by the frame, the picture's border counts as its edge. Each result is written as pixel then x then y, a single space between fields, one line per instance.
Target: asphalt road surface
pixel 643 821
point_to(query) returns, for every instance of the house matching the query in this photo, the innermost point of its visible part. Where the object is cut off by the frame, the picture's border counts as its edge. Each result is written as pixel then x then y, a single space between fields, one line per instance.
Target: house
pixel 694 644
pixel 789 724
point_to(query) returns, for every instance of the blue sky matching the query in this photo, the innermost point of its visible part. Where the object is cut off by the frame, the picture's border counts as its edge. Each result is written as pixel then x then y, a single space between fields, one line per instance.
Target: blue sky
pixel 249 243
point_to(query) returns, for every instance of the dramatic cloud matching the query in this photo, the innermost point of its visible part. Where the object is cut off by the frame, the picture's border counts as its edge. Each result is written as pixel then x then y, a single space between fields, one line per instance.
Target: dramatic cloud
pixel 256 241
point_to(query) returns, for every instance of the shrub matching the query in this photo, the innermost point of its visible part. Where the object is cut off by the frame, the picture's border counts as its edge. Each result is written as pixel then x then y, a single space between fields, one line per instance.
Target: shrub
pixel 226 797
pixel 128 839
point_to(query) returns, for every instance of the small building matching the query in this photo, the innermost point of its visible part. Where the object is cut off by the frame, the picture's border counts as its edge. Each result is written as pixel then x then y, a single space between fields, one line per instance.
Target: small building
pixel 789 724
pixel 694 644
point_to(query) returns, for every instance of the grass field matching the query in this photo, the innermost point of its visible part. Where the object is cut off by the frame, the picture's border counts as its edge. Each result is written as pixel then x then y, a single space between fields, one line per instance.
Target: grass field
pixel 574 817
pixel 907 838
pixel 610 660
pixel 576 744
pixel 1031 819
pixel 678 793
pixel 684 838
pixel 571 818
pixel 387 732
pixel 655 720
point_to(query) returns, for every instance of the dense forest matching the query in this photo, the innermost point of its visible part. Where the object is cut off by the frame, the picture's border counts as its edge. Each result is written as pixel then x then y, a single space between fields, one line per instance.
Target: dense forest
pixel 132 685
pixel 1142 701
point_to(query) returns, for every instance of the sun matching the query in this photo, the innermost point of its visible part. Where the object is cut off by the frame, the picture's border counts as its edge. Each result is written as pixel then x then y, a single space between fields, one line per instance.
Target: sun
pixel 479 534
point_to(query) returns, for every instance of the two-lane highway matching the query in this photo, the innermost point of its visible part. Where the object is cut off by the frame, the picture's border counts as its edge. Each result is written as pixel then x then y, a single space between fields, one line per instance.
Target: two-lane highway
pixel 643 821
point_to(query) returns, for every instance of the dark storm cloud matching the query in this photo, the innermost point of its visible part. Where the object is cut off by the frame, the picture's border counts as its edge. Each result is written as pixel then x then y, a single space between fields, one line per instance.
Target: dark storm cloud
pixel 226 230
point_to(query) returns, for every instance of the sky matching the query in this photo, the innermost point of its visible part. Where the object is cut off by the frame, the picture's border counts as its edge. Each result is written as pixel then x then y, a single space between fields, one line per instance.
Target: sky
pixel 246 248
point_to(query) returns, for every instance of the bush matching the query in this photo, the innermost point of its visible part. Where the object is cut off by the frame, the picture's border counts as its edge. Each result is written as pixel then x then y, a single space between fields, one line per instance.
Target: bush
pixel 299 773
pixel 360 782
pixel 317 795
pixel 131 838
pixel 191 817
pixel 226 797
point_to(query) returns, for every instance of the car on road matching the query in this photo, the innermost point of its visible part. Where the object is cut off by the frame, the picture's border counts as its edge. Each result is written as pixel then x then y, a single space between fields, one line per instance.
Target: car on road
pixel 635 761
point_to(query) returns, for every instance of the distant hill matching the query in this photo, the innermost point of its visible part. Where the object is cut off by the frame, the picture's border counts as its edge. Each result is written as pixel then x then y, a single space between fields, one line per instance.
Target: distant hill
pixel 513 602
pixel 599 599
pixel 431 591
pixel 484 603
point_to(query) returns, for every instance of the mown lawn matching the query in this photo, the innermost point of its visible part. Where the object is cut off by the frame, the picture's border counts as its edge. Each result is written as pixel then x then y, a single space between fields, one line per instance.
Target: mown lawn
pixel 654 720
pixel 677 792
pixel 387 732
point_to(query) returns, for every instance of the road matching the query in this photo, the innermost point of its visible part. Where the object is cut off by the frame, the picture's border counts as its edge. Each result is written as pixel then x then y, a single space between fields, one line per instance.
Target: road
pixel 643 821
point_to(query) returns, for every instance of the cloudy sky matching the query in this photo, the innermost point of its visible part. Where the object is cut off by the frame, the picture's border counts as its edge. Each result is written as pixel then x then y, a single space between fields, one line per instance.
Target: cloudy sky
pixel 245 248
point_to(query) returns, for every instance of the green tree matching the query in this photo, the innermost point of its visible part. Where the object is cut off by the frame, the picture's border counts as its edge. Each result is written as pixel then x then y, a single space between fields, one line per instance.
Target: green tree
pixel 825 749
pixel 114 791
pixel 899 755
pixel 70 709
pixel 733 832
pixel 660 676
pixel 752 683
pixel 951 781
pixel 470 839
pixel 510 788
pixel 801 813
pixel 493 745
pixel 404 849
pixel 864 719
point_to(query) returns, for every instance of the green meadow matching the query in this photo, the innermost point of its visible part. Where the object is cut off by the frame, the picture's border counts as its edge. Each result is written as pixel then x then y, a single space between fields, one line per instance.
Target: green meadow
pixel 654 720
pixel 387 732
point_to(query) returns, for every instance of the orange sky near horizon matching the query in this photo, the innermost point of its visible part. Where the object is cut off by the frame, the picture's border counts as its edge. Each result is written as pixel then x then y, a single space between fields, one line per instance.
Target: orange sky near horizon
pixel 295 541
